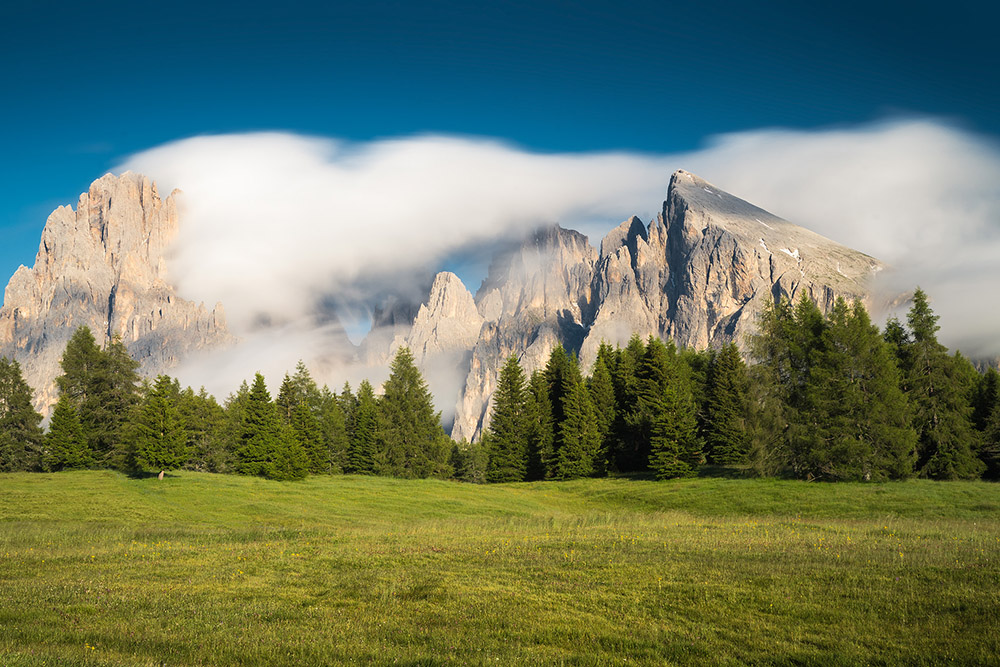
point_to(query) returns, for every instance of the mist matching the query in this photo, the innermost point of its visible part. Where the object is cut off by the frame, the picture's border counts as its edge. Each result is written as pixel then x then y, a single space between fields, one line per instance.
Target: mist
pixel 297 235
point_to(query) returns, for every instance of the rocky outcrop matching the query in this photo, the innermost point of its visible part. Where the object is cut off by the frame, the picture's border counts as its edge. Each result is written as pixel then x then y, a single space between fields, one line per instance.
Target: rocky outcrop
pixel 535 296
pixel 103 265
pixel 699 273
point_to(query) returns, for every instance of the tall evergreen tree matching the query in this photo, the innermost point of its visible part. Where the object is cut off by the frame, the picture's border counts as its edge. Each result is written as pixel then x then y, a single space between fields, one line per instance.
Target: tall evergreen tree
pixel 103 386
pixel 630 451
pixel 941 409
pixel 506 439
pixel 727 407
pixel 203 419
pixel 412 442
pixel 362 451
pixel 667 412
pixel 333 429
pixel 602 396
pixel 541 432
pixel 853 422
pixel 265 447
pixel 65 446
pixel 158 439
pixel 20 433
pixel 578 438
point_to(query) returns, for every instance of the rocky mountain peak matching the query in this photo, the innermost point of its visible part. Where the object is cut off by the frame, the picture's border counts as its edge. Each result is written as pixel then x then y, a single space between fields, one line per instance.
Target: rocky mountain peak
pixel 103 265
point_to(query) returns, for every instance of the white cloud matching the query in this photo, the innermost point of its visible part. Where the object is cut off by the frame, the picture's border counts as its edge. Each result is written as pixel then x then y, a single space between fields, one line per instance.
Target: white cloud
pixel 274 223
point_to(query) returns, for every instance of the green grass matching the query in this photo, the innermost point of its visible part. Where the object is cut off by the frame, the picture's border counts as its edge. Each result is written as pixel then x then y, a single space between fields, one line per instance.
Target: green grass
pixel 100 569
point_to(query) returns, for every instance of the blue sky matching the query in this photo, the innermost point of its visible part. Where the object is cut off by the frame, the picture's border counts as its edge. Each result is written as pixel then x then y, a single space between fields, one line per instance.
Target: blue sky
pixel 88 84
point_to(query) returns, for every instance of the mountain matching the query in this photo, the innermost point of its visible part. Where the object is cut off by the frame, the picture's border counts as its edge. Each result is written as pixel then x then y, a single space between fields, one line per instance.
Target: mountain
pixel 103 265
pixel 699 273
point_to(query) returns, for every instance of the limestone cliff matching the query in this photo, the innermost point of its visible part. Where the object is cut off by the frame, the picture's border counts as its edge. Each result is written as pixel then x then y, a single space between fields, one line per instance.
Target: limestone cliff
pixel 103 265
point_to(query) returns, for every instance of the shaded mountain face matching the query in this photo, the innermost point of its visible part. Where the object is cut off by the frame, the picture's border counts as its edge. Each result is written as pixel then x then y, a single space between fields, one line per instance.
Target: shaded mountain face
pixel 103 266
pixel 699 273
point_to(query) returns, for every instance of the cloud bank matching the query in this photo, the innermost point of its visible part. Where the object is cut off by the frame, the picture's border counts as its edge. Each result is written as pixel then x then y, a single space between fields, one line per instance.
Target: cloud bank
pixel 284 229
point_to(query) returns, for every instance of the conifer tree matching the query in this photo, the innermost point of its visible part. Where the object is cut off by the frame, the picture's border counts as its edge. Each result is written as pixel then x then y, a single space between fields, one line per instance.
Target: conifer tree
pixel 333 429
pixel 667 413
pixel 726 431
pixel 630 444
pixel 412 442
pixel 578 438
pixel 20 433
pixel 602 396
pixel 265 447
pixel 203 420
pixel 540 429
pixel 853 422
pixel 506 441
pixel 158 439
pixel 65 446
pixel 941 409
pixel 362 451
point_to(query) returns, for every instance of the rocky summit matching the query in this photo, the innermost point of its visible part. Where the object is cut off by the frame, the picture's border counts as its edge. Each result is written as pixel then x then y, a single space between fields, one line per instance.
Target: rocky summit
pixel 699 273
pixel 103 265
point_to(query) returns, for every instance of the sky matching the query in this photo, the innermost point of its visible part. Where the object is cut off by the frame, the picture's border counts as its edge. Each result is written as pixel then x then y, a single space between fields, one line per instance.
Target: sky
pixel 729 90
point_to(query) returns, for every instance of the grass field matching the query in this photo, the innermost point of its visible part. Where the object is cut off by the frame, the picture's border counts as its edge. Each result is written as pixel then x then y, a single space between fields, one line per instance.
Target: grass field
pixel 98 568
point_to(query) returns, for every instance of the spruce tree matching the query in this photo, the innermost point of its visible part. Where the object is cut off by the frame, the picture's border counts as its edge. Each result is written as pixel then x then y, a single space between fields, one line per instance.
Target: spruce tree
pixel 540 428
pixel 203 419
pixel 727 406
pixel 266 448
pixel 602 396
pixel 65 446
pixel 412 442
pixel 578 438
pixel 506 439
pixel 667 412
pixel 941 410
pixel 630 450
pixel 20 433
pixel 333 429
pixel 362 450
pixel 853 422
pixel 158 439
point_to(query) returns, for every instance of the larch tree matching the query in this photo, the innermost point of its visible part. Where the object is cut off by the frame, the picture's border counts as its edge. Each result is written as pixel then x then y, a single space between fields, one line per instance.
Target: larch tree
pixel 362 449
pixel 158 440
pixel 727 407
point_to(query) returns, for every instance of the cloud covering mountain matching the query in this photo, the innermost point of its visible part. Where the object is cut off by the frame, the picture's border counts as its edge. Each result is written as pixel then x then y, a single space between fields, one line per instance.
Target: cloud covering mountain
pixel 283 229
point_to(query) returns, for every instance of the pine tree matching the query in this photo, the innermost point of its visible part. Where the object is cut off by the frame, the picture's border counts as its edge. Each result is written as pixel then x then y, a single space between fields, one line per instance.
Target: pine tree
pixel 540 429
pixel 103 387
pixel 630 443
pixel 362 451
pixel 65 446
pixel 941 409
pixel 853 422
pixel 506 439
pixel 667 413
pixel 20 433
pixel 265 447
pixel 412 442
pixel 158 439
pixel 203 419
pixel 578 438
pixel 333 429
pixel 602 396
pixel 727 406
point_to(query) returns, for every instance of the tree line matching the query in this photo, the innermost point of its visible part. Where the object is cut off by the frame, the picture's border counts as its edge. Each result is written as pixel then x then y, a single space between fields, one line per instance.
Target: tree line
pixel 824 397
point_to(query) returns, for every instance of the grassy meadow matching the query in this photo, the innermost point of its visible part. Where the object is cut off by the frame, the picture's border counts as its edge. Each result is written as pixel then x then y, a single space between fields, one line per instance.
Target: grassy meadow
pixel 97 568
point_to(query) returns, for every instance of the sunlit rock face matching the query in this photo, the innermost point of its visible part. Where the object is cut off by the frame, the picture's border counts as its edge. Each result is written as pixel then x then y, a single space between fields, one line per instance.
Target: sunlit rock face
pixel 699 273
pixel 103 265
